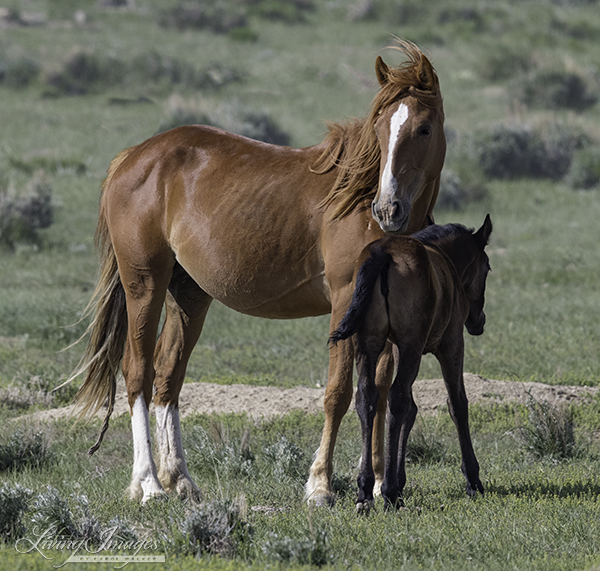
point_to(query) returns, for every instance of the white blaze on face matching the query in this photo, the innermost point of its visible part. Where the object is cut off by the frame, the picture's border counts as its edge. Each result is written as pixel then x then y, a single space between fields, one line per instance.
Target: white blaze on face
pixel 389 184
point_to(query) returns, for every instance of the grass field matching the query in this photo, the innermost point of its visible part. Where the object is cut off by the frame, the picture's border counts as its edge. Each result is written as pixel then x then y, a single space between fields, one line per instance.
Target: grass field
pixel 75 90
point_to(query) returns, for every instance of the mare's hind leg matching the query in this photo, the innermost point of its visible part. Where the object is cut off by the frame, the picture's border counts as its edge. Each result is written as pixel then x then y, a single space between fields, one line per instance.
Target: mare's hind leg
pixel 450 356
pixel 187 306
pixel 145 289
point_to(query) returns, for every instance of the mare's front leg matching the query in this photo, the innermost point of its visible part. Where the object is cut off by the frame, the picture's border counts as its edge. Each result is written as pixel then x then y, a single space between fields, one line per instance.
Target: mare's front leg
pixel 187 306
pixel 450 356
pixel 401 418
pixel 338 396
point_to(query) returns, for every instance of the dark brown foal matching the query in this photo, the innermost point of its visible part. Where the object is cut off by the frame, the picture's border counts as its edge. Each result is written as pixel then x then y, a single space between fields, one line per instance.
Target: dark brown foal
pixel 417 292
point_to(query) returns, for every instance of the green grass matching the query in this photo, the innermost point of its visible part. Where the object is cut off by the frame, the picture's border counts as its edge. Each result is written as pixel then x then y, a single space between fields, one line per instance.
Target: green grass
pixel 536 514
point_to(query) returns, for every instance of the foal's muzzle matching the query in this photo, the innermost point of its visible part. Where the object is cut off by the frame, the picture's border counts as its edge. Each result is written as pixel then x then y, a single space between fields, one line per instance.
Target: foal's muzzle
pixel 475 326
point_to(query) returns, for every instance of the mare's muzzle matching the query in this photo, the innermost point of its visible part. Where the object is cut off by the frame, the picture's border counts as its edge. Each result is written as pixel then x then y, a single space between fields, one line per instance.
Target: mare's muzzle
pixel 392 216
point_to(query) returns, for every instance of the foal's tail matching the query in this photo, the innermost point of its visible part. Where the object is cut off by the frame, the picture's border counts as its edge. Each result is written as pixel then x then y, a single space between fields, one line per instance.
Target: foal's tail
pixel 108 330
pixel 375 266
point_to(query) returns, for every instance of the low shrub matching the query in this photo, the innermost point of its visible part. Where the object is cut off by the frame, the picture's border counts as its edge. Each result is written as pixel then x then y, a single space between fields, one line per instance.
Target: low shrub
pixel 24 211
pixel 13 504
pixel 512 150
pixel 549 430
pixel 221 454
pixel 313 549
pixel 456 191
pixel 288 11
pixel 51 512
pixel 215 527
pixel 18 73
pixel 585 169
pixel 32 164
pixel 285 460
pixel 262 127
pixel 556 89
pixel 219 16
pixel 22 449
pixel 158 68
pixel 232 117
pixel 85 72
pixel 503 62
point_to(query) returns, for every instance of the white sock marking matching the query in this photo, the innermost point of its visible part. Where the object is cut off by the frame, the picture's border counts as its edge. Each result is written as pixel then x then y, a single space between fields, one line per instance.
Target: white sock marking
pixel 144 469
pixel 168 437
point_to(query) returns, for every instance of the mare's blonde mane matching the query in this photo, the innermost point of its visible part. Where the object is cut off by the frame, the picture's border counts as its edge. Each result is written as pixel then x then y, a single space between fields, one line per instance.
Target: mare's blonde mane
pixel 353 147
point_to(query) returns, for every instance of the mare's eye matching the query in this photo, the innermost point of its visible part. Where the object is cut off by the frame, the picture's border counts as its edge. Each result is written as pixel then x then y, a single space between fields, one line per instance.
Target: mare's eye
pixel 425 130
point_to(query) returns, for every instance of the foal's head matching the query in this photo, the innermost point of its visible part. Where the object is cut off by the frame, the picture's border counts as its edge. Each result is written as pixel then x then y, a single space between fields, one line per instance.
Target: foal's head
pixel 466 250
pixel 475 276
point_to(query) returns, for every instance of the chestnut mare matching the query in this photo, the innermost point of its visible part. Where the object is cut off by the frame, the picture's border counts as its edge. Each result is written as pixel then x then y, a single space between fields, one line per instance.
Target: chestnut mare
pixel 419 292
pixel 196 214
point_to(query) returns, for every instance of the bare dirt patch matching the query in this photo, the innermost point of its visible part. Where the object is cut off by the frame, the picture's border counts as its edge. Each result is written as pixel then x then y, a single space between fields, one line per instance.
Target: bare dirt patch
pixel 270 401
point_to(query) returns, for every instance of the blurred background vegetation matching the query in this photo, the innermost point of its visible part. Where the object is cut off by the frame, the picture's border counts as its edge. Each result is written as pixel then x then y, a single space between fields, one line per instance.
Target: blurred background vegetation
pixel 81 80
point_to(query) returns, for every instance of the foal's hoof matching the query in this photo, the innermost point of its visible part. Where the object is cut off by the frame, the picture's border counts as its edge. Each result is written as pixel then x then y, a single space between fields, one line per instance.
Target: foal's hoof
pixel 365 507
pixel 472 490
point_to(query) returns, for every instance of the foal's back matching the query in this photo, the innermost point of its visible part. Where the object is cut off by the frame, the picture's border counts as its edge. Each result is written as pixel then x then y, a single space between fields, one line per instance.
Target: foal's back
pixel 419 292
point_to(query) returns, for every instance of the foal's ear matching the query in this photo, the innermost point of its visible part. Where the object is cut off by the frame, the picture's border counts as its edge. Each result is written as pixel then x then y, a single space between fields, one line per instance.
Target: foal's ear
pixel 427 77
pixel 430 220
pixel 382 71
pixel 483 234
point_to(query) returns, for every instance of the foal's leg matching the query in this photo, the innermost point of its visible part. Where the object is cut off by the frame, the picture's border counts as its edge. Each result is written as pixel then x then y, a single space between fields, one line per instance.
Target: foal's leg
pixel 451 357
pixel 187 306
pixel 383 380
pixel 145 289
pixel 367 397
pixel 401 418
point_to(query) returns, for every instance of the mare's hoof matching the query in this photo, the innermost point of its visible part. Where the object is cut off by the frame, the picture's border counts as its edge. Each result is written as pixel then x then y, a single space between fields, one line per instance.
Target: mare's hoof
pixel 145 491
pixel 187 490
pixel 322 500
pixel 364 508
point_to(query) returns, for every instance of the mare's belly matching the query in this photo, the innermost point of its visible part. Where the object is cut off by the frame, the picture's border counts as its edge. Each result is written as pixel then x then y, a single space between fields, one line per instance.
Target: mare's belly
pixel 263 288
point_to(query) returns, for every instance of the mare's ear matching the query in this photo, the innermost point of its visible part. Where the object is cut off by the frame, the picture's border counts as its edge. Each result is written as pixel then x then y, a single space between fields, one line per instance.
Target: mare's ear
pixel 383 71
pixel 430 220
pixel 426 74
pixel 483 234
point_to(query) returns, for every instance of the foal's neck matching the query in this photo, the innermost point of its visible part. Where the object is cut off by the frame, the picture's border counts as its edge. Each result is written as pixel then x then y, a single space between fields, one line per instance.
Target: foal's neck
pixel 456 249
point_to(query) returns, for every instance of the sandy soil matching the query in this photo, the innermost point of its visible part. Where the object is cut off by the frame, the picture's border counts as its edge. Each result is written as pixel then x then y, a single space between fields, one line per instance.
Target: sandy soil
pixel 269 401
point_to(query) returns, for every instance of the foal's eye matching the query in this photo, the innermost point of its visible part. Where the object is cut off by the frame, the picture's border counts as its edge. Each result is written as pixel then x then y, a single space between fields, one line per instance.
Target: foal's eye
pixel 425 130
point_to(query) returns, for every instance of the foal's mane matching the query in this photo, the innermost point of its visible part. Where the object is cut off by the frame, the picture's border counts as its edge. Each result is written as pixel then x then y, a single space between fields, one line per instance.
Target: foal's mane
pixel 353 147
pixel 435 233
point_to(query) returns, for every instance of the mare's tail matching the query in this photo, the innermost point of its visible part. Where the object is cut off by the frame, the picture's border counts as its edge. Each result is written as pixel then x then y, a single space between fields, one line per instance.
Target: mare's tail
pixel 375 266
pixel 108 330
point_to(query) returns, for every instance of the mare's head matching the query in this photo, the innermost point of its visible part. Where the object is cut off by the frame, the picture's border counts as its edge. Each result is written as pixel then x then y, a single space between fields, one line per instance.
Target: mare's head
pixel 466 250
pixel 390 156
pixel 409 124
